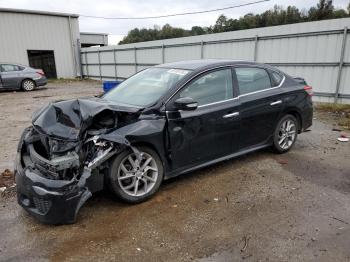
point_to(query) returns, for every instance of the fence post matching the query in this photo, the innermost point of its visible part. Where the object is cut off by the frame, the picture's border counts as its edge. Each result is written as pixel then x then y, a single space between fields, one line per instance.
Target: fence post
pixel 135 56
pixel 87 64
pixel 80 56
pixel 202 49
pixel 341 63
pixel 99 64
pixel 256 40
pixel 115 64
pixel 163 58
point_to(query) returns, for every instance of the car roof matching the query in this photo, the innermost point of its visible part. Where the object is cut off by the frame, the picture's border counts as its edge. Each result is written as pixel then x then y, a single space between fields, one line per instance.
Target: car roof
pixel 9 63
pixel 198 64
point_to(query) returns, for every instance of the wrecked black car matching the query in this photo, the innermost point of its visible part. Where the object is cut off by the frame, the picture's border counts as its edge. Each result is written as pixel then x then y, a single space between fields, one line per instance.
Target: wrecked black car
pixel 163 121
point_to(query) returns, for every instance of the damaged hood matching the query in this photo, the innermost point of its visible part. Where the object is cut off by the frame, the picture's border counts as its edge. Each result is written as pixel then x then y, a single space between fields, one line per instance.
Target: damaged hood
pixel 69 119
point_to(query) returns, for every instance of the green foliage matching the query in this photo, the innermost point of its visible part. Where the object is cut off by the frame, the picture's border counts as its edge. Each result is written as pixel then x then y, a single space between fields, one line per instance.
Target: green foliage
pixel 276 16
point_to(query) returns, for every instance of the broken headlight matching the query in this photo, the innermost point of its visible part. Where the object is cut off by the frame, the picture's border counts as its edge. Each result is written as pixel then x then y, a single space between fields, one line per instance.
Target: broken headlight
pixel 61 146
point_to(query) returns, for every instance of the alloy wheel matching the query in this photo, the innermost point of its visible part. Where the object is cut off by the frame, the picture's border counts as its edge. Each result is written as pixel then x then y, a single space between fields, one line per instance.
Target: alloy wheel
pixel 286 134
pixel 137 177
pixel 28 85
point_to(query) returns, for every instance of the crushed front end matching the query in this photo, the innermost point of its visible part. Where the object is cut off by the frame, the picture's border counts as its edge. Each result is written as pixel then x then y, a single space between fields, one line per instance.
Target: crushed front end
pixel 56 174
pixel 53 186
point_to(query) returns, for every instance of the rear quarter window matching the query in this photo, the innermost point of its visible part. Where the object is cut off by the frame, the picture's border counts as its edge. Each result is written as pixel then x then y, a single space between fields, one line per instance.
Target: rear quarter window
pixel 276 78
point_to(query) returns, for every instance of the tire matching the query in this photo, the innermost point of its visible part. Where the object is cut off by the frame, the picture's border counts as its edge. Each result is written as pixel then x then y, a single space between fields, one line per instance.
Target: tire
pixel 124 177
pixel 287 127
pixel 28 85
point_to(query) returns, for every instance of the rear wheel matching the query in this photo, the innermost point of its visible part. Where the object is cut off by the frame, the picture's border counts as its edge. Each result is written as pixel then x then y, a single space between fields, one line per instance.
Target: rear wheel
pixel 28 85
pixel 136 179
pixel 285 134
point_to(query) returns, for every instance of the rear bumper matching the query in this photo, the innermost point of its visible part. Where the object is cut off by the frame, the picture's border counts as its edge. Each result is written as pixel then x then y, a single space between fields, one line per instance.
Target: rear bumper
pixel 41 81
pixel 307 115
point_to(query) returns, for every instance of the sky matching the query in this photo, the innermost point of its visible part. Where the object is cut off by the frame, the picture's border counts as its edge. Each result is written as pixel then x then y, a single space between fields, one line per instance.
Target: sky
pixel 117 29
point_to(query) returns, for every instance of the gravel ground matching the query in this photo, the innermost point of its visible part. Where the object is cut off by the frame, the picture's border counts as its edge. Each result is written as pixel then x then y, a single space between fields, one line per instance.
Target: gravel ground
pixel 259 207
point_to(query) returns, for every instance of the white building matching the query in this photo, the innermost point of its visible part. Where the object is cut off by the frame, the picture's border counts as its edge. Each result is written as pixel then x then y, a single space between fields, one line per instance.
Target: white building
pixel 46 40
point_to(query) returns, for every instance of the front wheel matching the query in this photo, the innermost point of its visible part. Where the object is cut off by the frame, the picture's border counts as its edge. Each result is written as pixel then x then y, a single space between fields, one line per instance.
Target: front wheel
pixel 285 134
pixel 28 85
pixel 135 179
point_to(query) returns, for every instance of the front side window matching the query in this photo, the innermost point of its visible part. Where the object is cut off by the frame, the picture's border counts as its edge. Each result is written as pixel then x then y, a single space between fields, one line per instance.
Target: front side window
pixel 9 68
pixel 252 79
pixel 146 87
pixel 212 87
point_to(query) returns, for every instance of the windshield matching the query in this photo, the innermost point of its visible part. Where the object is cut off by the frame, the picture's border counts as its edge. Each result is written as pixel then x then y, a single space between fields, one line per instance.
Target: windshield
pixel 146 87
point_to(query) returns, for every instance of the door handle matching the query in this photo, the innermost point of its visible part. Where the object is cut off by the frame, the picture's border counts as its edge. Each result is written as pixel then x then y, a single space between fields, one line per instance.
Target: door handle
pixel 231 115
pixel 276 103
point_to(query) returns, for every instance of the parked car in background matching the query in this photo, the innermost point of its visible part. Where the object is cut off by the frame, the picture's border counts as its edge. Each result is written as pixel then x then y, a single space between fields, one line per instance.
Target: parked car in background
pixel 15 76
pixel 161 122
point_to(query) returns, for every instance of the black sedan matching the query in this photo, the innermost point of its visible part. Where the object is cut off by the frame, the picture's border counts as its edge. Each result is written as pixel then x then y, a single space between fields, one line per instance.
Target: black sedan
pixel 162 122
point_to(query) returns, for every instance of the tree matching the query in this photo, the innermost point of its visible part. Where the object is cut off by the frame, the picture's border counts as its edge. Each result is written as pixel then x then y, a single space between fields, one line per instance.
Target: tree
pixel 197 30
pixel 324 10
pixel 220 24
pixel 293 15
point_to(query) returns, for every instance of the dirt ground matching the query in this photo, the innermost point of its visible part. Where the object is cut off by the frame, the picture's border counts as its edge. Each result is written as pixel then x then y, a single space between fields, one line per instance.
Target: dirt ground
pixel 259 207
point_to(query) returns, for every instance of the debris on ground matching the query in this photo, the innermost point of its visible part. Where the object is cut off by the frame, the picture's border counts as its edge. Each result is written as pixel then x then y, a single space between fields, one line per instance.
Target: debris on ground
pixel 282 161
pixel 9 192
pixel 7 178
pixel 7 184
pixel 245 240
pixel 337 130
pixel 340 220
pixel 343 138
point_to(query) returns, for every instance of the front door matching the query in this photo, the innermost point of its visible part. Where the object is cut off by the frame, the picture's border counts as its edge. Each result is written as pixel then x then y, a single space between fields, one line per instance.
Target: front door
pixel 210 131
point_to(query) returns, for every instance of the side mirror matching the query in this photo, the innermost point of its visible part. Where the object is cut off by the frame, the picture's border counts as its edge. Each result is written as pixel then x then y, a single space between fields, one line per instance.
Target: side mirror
pixel 186 104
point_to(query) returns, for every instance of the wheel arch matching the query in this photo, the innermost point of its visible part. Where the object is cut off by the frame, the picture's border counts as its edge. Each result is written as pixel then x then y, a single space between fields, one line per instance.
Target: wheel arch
pixel 147 144
pixel 27 78
pixel 296 113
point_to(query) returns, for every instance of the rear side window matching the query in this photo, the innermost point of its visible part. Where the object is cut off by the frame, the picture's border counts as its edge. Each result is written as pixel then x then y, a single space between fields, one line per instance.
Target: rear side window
pixel 10 68
pixel 252 79
pixel 212 87
pixel 276 78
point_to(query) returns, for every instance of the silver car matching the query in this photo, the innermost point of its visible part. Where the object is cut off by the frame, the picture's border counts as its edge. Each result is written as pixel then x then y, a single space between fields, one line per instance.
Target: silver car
pixel 15 76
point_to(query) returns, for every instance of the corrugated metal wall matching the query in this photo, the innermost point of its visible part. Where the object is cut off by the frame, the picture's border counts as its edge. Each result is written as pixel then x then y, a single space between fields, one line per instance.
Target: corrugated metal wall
pixel 93 38
pixel 20 32
pixel 318 51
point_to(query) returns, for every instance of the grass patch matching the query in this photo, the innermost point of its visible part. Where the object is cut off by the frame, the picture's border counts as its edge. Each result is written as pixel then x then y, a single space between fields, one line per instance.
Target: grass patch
pixel 334 108
pixel 70 80
pixel 341 113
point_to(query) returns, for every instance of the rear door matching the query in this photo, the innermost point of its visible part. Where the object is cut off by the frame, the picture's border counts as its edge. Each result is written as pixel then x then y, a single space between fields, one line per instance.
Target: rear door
pixel 261 105
pixel 10 75
pixel 210 131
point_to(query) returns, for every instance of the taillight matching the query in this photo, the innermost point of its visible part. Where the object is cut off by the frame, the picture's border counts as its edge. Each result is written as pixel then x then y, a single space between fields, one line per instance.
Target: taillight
pixel 308 89
pixel 40 72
